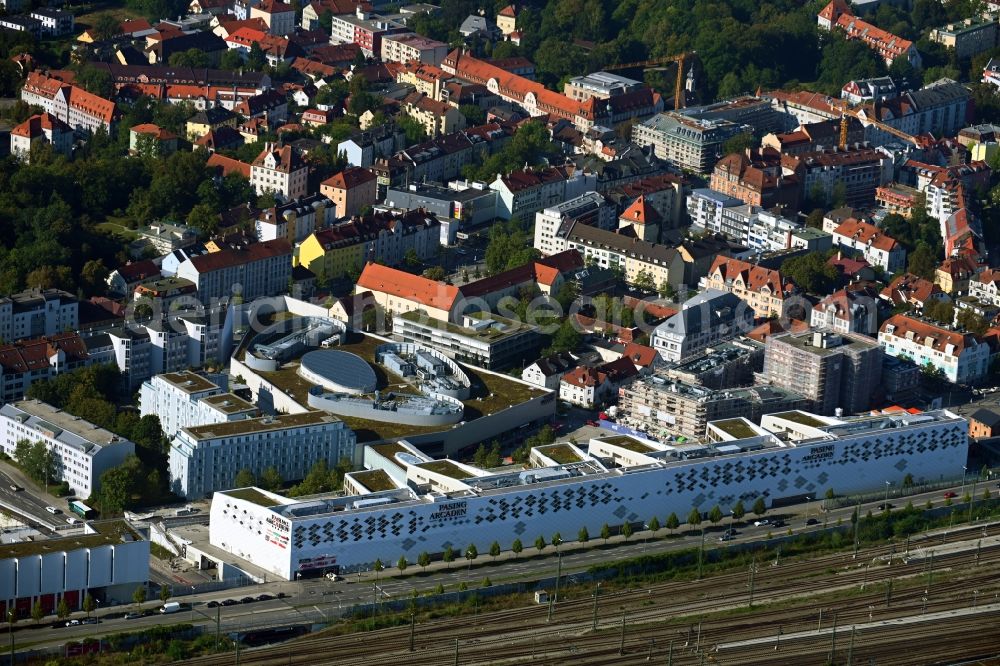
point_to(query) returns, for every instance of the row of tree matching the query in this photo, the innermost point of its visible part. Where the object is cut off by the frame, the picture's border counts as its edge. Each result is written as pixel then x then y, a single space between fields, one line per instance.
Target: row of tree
pixel 583 536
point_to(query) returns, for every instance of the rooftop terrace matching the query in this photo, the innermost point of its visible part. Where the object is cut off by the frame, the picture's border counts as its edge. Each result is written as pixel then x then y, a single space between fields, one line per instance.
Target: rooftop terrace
pixel 105 533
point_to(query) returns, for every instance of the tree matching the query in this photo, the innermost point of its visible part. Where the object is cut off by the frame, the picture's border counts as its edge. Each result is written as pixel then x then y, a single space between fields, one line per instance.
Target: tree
pixel 972 322
pixel 830 494
pixel 423 559
pixel 566 339
pixel 414 131
pixel 923 261
pixel 88 604
pixel 36 460
pixel 256 58
pixel 139 596
pixel 62 610
pixel 810 272
pixel 495 550
pixel 605 533
pixel 739 511
pixel 474 115
pixel 270 479
pixel 401 563
pixel 190 58
pixel 37 612
pixel 557 540
pixel 654 524
pixel 106 27
pixel 694 518
pixel 759 507
pixel 244 479
pixel 645 281
pixel 471 553
pixel 448 555
pixel 435 273
pixel 540 543
pixel 487 582
pixel 908 480
pixel 583 536
pixel 231 60
pixel 673 522
pixel 627 530
pixel 164 593
pixel 715 515
pixel 516 547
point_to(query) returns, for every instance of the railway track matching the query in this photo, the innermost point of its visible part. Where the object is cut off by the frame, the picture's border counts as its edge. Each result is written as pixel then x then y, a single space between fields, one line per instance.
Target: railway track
pixel 651 618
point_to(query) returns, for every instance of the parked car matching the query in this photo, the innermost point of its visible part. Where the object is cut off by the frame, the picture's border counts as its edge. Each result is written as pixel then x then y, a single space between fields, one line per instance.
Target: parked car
pixel 54 511
pixel 812 521
pixel 230 602
pixel 264 597
pixel 762 522
pixel 726 537
pixel 886 507
pixel 133 616
pixel 212 604
pixel 15 488
pixel 247 600
pixel 777 523
pixel 90 620
pixel 951 494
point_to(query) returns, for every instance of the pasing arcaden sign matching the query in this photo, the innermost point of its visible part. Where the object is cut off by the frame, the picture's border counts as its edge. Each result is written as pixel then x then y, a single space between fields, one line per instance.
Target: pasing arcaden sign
pixel 450 511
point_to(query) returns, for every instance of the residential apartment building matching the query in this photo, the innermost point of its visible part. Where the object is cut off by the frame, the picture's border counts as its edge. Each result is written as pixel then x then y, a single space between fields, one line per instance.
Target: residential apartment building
pixel 81 451
pixel 810 137
pixel 252 271
pixel 480 338
pixel 854 173
pixel 279 16
pixel 383 237
pixel 968 37
pixel 986 287
pixel 756 178
pixel 764 290
pixel 889 47
pixel 666 407
pixel 19 23
pixel 362 149
pixel 521 194
pixel 962 358
pixel 407 47
pixel 939 108
pixel 81 110
pixel 54 22
pixel 846 311
pixel 296 220
pixel 469 204
pixel 537 100
pixel 711 317
pixel 591 388
pixel 632 257
pixel 553 223
pixel 311 12
pixel 436 118
pixel 878 248
pixel 547 372
pixel 26 361
pixel 38 130
pixel 726 365
pixel 398 292
pixel 170 344
pixel 151 140
pixel 705 206
pixel 185 399
pixel 37 312
pixel 833 371
pixel 281 171
pixel 689 143
pixel 351 191
pixel 364 29
pixel 207 458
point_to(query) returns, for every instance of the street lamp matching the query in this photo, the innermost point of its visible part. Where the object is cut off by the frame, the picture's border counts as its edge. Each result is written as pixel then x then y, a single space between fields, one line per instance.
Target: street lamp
pixel 965 471
pixel 885 503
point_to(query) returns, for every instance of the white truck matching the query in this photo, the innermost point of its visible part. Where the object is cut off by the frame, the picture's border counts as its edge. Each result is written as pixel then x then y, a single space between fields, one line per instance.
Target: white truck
pixel 170 607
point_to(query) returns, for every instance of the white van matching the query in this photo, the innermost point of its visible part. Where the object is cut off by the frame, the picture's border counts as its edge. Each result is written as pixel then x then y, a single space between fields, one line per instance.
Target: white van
pixel 170 607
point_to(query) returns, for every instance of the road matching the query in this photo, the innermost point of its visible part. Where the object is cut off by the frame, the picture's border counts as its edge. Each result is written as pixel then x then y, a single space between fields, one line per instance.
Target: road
pixel 29 504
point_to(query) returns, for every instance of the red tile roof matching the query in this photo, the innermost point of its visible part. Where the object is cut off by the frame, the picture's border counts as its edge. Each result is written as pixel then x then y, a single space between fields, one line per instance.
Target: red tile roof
pixel 753 276
pixel 285 158
pixel 416 288
pixel 349 178
pixel 928 334
pixel 228 165
pixel 866 233
pixel 640 355
pixel 154 130
pixel 31 355
pixel 78 98
pixel 39 123
pixel 214 261
pixel 640 212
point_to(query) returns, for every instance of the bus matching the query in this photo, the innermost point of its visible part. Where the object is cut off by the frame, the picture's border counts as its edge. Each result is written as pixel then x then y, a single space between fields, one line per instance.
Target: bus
pixel 82 510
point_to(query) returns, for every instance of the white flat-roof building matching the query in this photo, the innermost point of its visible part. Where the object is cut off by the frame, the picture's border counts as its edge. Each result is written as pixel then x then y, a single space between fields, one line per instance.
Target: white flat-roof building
pixel 82 450
pixel 207 458
pixel 38 312
pixel 422 505
pixel 107 560
pixel 185 399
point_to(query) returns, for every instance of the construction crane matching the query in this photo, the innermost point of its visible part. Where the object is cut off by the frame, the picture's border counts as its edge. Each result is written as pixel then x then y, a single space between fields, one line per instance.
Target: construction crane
pixel 646 64
pixel 899 134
